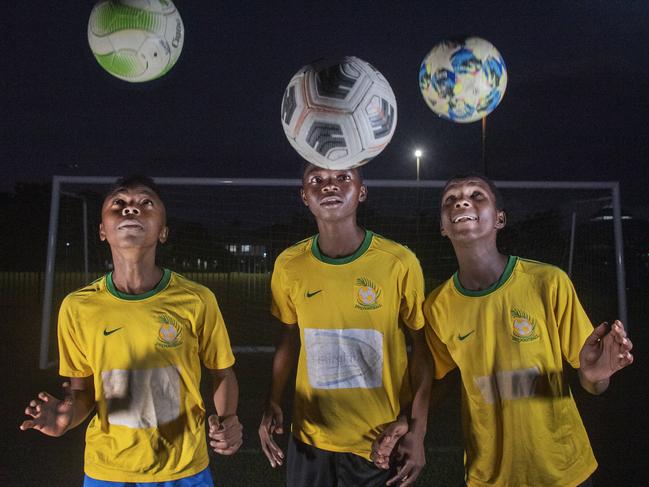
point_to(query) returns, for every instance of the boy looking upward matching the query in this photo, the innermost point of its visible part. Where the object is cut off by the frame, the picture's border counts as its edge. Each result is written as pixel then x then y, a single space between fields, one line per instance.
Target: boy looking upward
pixel 132 343
pixel 508 324
pixel 345 297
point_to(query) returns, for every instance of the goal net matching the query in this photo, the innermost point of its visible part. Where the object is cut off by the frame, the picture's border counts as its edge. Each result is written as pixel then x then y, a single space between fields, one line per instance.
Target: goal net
pixel 226 234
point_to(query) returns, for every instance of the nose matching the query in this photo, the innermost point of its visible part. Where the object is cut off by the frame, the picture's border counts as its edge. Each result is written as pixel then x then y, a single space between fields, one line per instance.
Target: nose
pixel 330 185
pixel 462 203
pixel 130 210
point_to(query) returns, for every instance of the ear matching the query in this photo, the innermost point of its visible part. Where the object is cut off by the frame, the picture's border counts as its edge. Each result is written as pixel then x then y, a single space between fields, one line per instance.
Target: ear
pixel 362 195
pixel 442 230
pixel 164 233
pixel 303 197
pixel 102 232
pixel 501 219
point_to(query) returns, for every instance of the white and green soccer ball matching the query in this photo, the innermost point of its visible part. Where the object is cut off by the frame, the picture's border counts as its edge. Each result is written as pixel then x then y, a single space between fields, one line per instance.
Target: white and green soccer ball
pixel 136 40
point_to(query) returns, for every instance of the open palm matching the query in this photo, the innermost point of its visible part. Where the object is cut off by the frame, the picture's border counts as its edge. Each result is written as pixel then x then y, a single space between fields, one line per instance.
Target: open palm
pixel 605 352
pixel 50 416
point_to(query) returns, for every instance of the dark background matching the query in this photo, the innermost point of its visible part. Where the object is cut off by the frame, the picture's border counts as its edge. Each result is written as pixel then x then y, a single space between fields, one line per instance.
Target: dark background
pixel 574 109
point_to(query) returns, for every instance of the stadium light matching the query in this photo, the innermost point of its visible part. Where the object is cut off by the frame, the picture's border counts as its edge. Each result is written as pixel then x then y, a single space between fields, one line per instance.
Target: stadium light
pixel 418 154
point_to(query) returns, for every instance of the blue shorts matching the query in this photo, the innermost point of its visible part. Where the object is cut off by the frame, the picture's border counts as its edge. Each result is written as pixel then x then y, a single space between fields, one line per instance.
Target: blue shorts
pixel 201 479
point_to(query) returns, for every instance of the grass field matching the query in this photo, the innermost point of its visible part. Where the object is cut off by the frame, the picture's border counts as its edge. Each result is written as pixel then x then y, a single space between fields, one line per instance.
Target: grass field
pixel 617 422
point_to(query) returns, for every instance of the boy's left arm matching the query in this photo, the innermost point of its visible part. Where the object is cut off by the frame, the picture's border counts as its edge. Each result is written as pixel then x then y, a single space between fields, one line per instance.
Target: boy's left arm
pixel 604 353
pixel 408 435
pixel 225 430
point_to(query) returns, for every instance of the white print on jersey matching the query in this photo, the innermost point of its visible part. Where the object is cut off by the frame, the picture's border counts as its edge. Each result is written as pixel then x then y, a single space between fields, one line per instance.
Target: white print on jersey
pixel 509 384
pixel 142 398
pixel 344 359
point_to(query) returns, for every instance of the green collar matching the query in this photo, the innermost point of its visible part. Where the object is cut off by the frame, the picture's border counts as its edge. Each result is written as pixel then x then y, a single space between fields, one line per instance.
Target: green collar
pixel 110 285
pixel 509 268
pixel 341 260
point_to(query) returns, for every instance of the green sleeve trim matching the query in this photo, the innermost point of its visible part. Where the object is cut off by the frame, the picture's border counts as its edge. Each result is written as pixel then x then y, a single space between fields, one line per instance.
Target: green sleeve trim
pixel 341 260
pixel 110 285
pixel 509 268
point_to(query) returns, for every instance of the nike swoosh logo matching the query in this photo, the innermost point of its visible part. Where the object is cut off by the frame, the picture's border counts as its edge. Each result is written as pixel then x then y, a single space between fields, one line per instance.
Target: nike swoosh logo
pixel 110 332
pixel 462 337
pixel 310 295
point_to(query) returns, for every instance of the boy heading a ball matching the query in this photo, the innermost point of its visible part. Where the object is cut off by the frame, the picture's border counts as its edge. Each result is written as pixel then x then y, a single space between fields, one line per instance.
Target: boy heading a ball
pixel 345 298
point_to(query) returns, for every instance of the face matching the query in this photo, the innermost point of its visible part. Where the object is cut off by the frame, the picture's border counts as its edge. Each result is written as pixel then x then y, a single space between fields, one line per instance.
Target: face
pixel 332 194
pixel 133 217
pixel 469 211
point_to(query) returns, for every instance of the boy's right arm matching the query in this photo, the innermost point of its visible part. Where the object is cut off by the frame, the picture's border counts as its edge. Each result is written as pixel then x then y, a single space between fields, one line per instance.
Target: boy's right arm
pixel 272 420
pixel 52 416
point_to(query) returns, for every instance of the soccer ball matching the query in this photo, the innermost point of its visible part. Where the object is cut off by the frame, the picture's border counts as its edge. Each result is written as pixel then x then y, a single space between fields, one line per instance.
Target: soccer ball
pixel 136 40
pixel 463 82
pixel 339 114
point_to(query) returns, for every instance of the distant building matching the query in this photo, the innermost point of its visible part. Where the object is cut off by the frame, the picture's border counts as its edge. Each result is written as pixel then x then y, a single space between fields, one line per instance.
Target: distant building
pixel 606 214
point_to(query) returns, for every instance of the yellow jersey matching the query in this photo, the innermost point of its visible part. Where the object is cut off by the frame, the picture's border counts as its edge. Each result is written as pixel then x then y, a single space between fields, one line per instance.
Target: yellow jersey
pixel 144 353
pixel 520 422
pixel 352 375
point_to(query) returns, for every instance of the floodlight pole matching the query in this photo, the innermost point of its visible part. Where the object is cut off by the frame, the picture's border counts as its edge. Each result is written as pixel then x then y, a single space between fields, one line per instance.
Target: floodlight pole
pixel 484 145
pixel 418 156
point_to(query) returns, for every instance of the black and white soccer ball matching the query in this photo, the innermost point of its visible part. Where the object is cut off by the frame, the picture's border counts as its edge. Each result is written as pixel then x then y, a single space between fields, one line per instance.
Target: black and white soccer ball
pixel 339 114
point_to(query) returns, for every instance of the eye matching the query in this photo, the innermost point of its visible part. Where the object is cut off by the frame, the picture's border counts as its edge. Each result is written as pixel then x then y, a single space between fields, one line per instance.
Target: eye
pixel 118 202
pixel 477 195
pixel 316 179
pixel 344 177
pixel 449 199
pixel 147 202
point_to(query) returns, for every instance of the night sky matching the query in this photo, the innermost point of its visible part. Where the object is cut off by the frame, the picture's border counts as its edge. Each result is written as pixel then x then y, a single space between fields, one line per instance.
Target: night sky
pixel 575 106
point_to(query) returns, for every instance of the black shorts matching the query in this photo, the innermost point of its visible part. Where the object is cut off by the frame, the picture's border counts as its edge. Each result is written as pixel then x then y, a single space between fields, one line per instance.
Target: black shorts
pixel 308 466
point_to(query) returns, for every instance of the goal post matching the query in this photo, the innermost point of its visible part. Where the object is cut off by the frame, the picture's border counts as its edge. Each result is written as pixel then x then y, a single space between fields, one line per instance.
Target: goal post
pixel 226 232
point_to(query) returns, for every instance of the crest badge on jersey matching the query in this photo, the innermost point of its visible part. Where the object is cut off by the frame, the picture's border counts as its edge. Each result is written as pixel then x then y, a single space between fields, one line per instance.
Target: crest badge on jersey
pixel 367 294
pixel 170 333
pixel 523 326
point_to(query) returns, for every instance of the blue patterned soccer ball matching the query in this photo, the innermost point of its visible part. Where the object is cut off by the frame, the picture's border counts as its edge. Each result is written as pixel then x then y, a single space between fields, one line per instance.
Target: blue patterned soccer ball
pixel 339 114
pixel 463 82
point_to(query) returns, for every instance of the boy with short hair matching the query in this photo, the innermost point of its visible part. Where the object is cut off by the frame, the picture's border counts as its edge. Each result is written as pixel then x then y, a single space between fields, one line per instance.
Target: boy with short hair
pixel 132 343
pixel 343 297
pixel 508 324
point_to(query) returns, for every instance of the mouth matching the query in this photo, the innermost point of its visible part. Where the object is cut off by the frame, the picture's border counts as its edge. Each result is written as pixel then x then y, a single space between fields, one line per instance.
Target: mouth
pixel 330 201
pixel 464 218
pixel 130 225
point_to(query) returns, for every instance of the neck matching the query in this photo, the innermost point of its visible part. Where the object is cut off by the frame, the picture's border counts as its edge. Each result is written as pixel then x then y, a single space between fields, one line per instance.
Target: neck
pixel 478 270
pixel 339 240
pixel 135 274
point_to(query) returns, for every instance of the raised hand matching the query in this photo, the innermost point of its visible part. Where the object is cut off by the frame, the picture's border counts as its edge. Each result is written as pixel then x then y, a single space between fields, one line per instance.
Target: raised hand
pixel 226 434
pixel 605 352
pixel 50 416
pixel 272 422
